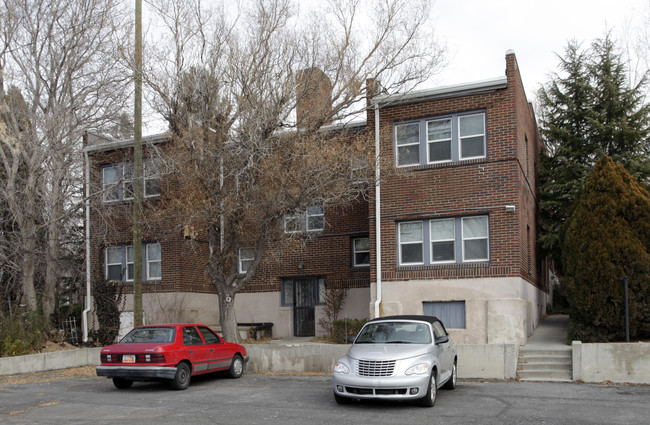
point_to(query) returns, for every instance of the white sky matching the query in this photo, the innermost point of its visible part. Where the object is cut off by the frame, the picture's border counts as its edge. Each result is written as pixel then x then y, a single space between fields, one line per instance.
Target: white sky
pixel 479 32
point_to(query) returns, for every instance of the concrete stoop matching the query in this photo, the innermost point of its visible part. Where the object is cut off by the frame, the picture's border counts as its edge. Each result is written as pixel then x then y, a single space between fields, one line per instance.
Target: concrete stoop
pixel 545 363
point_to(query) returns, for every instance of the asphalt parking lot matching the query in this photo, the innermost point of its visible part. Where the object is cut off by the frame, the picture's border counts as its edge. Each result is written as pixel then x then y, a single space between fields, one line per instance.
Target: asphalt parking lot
pixel 293 400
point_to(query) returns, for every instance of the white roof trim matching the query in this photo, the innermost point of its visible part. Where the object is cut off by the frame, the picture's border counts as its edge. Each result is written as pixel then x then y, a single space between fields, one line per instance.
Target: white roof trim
pixel 454 90
pixel 113 144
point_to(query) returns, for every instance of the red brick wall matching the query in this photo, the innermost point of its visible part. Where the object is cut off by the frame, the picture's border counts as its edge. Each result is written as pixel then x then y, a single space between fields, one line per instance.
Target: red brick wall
pixel 481 186
pixel 184 262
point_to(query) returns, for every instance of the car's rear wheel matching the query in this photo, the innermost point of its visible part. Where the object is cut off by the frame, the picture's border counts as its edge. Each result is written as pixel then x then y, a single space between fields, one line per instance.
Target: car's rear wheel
pixel 342 400
pixel 183 376
pixel 122 383
pixel 451 383
pixel 430 399
pixel 236 367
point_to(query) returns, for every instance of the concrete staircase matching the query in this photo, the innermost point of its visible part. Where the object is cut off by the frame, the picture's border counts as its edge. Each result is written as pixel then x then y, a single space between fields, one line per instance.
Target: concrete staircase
pixel 545 363
pixel 546 356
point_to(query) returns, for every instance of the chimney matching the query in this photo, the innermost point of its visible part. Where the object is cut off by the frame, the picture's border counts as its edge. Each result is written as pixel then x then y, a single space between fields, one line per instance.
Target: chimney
pixel 314 103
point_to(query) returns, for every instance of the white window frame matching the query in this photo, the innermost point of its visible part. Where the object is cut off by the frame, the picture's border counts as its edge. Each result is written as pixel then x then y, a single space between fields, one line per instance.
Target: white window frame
pixel 459 241
pixel 149 261
pixel 243 258
pixel 129 276
pixel 124 262
pixel 303 220
pixel 430 143
pixel 467 136
pixel 355 251
pixel 311 214
pixel 400 243
pixel 107 264
pixel 149 176
pixel 432 241
pixel 114 187
pixel 124 179
pixel 486 238
pixel 424 144
pixel 403 145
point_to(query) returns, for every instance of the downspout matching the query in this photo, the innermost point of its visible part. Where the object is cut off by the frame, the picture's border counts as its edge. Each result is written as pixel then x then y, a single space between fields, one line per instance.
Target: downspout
pixel 377 213
pixel 84 315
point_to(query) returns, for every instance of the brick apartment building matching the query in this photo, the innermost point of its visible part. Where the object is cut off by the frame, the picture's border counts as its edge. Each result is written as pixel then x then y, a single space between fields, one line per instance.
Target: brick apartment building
pixel 454 210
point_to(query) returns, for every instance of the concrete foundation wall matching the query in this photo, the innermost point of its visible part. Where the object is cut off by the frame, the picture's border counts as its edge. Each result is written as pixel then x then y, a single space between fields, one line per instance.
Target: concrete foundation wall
pixel 188 307
pixel 497 310
pixel 621 362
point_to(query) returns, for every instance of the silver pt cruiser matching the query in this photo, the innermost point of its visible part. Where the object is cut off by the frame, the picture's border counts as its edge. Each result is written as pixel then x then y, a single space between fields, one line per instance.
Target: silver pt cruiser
pixel 397 358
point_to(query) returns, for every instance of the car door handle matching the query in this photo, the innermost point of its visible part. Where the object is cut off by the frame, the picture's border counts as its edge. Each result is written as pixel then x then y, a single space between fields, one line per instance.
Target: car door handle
pixel 211 350
pixel 191 351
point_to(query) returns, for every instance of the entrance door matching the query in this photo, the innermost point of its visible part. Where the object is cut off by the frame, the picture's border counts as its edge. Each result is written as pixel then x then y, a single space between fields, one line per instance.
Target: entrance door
pixel 304 310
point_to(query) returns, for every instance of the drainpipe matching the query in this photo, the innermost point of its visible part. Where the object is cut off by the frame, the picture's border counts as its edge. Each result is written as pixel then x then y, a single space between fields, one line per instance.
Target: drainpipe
pixel 377 213
pixel 84 315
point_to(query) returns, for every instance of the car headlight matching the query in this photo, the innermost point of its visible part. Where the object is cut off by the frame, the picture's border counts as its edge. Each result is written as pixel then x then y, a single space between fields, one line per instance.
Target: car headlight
pixel 341 368
pixel 418 369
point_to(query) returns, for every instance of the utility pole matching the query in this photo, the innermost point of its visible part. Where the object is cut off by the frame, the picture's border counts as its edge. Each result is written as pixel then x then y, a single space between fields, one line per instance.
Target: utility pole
pixel 137 172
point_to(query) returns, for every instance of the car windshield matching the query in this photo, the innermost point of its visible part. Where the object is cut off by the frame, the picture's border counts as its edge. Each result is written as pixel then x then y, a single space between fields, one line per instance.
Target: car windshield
pixel 153 334
pixel 394 333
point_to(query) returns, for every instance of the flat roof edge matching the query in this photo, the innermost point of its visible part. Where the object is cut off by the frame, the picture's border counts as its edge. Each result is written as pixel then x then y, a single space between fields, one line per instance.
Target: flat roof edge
pixel 454 90
pixel 126 143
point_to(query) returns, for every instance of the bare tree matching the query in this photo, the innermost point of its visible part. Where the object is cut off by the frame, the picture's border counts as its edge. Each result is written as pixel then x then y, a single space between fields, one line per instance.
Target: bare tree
pixel 253 96
pixel 60 54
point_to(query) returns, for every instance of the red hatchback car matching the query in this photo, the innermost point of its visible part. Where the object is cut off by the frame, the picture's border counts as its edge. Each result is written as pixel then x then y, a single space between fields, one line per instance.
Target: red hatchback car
pixel 171 353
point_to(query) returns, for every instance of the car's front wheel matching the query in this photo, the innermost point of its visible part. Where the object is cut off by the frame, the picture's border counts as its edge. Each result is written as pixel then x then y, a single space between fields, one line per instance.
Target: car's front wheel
pixel 122 383
pixel 183 376
pixel 430 399
pixel 236 367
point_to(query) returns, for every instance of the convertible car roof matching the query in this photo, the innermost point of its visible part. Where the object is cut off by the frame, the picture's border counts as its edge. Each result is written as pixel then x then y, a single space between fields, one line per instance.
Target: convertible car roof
pixel 421 318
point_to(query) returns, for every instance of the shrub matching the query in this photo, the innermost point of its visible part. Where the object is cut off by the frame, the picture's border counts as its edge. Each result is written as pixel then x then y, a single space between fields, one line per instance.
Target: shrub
pixel 108 297
pixel 334 299
pixel 342 329
pixel 22 333
pixel 606 238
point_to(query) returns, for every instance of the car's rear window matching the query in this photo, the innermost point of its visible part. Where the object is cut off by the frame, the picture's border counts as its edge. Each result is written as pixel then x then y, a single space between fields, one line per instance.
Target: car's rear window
pixel 153 334
pixel 394 333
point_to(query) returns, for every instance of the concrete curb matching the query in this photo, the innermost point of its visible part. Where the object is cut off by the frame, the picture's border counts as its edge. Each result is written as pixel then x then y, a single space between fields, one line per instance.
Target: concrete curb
pixel 49 361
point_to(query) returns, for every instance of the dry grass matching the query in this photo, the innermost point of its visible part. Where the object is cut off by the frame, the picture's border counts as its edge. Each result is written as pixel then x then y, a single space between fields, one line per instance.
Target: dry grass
pixel 48 375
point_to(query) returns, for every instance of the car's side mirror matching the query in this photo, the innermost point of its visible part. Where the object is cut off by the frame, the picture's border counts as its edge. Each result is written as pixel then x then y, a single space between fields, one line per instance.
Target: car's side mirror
pixel 442 339
pixel 352 339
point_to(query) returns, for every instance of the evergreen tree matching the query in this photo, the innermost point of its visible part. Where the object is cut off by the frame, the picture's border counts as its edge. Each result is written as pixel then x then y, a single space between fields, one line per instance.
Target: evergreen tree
pixel 587 111
pixel 606 238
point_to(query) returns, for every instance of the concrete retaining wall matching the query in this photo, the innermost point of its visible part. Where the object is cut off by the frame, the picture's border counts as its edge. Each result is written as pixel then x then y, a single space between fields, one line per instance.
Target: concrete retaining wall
pixel 49 361
pixel 494 361
pixel 611 362
pixel 591 362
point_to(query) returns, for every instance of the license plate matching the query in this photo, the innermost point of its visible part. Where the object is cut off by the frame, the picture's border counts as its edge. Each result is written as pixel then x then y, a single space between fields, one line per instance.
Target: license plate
pixel 128 358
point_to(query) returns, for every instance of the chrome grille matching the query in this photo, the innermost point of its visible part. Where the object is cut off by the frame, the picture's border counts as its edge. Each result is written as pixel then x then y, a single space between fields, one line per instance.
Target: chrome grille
pixel 375 368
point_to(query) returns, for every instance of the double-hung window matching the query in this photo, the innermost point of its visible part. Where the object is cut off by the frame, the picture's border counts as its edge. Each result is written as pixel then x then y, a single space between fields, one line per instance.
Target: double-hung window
pixel 411 243
pixel 443 241
pixel 119 263
pixel 117 181
pixel 457 137
pixel 310 220
pixel 246 257
pixel 360 252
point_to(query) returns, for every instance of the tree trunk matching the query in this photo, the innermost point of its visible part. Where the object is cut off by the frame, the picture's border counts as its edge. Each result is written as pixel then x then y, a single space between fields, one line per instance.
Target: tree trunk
pixel 29 267
pixel 227 317
pixel 51 276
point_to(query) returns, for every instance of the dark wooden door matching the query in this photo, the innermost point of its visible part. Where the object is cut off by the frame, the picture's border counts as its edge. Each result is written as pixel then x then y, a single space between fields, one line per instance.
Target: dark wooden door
pixel 304 310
